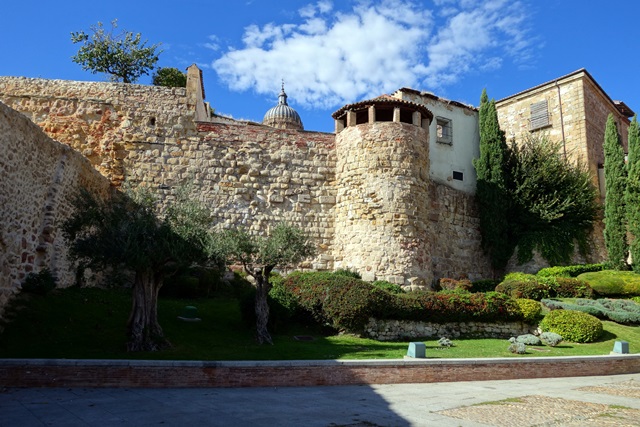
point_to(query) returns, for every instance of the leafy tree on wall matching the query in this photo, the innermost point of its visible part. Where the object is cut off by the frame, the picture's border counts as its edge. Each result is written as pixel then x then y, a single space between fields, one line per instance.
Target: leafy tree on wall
pixel 491 193
pixel 124 56
pixel 614 207
pixel 169 77
pixel 632 193
pixel 285 246
pixel 123 232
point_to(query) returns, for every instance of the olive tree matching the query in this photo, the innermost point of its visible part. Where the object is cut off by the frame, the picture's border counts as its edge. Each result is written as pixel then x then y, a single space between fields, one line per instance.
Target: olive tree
pixel 124 232
pixel 124 56
pixel 259 256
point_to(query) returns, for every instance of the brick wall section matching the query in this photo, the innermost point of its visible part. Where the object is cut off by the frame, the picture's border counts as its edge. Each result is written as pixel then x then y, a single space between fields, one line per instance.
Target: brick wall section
pixel 38 177
pixel 152 374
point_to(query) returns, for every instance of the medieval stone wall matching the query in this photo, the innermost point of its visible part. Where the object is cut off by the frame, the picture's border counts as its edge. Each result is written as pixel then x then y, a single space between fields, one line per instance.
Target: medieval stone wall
pixel 364 196
pixel 38 177
pixel 103 121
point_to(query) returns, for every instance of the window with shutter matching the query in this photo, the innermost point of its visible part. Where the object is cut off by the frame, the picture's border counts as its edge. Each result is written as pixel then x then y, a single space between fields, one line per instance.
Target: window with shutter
pixel 539 115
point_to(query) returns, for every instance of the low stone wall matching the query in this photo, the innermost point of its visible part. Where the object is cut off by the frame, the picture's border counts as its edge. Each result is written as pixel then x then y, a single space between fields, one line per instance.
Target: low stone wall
pixel 300 373
pixel 394 330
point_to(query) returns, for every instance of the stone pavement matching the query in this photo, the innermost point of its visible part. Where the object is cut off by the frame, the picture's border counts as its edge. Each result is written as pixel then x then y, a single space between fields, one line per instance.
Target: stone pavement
pixel 574 401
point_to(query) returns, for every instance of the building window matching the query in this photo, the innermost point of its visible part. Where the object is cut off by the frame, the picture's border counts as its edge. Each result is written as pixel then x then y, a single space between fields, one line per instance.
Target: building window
pixel 539 115
pixel 458 176
pixel 443 131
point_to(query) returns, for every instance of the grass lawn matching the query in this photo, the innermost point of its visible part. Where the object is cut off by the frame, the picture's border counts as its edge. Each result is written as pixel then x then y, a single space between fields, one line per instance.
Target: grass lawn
pixel 90 323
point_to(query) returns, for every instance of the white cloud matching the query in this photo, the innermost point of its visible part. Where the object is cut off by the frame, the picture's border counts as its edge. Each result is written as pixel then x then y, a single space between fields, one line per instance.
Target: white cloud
pixel 333 57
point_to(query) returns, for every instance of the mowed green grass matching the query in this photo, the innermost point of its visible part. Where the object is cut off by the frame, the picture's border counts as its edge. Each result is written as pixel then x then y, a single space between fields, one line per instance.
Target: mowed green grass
pixel 90 323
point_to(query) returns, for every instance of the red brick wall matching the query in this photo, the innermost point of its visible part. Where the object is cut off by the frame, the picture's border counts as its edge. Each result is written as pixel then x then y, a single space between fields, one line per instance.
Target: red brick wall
pixel 70 373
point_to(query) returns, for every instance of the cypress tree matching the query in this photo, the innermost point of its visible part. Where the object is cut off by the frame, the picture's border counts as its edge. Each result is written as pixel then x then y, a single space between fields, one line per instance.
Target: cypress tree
pixel 615 236
pixel 632 193
pixel 491 194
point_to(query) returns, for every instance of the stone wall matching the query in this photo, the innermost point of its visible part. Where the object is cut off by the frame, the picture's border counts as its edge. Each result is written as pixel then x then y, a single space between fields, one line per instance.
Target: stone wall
pixel 103 121
pixel 38 176
pixel 398 330
pixel 382 177
pixel 364 196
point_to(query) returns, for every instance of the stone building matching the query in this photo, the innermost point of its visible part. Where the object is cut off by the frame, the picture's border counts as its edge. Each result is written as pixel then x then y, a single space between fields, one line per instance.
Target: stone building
pixel 571 109
pixel 390 194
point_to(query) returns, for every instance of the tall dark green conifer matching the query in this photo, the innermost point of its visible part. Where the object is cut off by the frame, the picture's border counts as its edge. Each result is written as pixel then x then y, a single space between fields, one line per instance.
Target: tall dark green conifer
pixel 615 232
pixel 491 195
pixel 632 193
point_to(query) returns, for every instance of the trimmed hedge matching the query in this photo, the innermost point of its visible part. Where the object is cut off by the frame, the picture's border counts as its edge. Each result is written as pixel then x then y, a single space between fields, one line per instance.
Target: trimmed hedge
pixel 521 285
pixel 570 270
pixel 613 283
pixel 619 311
pixel 346 303
pixel 341 302
pixel 572 325
pixel 453 306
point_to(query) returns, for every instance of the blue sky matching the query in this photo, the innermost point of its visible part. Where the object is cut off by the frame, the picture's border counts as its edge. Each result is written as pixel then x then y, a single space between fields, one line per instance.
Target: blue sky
pixel 330 53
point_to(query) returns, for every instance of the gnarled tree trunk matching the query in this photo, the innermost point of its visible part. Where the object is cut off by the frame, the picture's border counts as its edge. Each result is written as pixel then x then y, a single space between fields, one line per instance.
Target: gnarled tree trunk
pixel 262 305
pixel 143 330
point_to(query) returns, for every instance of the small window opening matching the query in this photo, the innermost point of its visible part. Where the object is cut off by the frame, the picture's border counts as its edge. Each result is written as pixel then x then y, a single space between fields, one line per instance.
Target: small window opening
pixel 458 176
pixel 443 131
pixel 152 121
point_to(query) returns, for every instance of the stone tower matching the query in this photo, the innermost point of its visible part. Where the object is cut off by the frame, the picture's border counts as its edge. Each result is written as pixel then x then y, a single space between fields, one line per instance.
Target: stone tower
pixel 382 177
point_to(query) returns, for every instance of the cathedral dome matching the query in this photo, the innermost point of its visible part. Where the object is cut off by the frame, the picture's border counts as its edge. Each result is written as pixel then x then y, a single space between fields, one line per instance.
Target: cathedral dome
pixel 282 116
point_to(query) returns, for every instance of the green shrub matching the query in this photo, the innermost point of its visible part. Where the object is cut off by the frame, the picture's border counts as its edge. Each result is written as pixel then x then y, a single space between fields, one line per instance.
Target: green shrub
pixel 39 283
pixel 344 303
pixel 518 348
pixel 550 338
pixel 570 270
pixel 387 286
pixel 572 325
pixel 635 299
pixel 347 272
pixel 572 288
pixel 347 303
pixel 521 285
pixel 619 311
pixel 453 306
pixel 453 284
pixel 445 342
pixel 530 309
pixel 484 285
pixel 527 339
pixel 613 283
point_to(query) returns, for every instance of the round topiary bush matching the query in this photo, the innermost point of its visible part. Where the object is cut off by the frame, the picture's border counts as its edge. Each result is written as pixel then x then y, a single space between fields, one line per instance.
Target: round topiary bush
pixel 530 309
pixel 572 325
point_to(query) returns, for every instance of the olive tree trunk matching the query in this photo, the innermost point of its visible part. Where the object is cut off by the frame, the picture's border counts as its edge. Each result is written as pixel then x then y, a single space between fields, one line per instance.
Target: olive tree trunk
pixel 143 330
pixel 262 306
